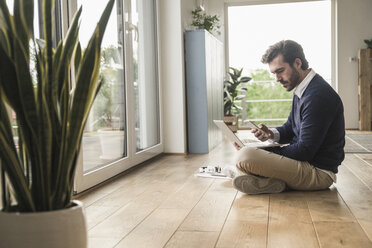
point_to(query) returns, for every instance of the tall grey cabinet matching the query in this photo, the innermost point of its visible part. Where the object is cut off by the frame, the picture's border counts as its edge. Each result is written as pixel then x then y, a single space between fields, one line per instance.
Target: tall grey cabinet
pixel 204 89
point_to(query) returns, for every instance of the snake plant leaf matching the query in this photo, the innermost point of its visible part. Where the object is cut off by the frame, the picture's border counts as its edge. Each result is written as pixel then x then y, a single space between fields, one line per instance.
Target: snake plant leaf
pixel 8 74
pixel 56 67
pixel 28 16
pixel 6 20
pixel 5 194
pixel 85 92
pixel 60 91
pixel 25 102
pixel 6 24
pixel 104 20
pixel 82 101
pixel 46 139
pixel 83 96
pixel 21 27
pixel 68 47
pixel 10 160
pixel 90 62
pixel 4 40
pixel 47 12
pixel 24 18
pixel 77 55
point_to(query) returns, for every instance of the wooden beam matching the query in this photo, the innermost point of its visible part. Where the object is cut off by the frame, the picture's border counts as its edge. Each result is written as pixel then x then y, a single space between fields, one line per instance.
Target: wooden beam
pixel 364 88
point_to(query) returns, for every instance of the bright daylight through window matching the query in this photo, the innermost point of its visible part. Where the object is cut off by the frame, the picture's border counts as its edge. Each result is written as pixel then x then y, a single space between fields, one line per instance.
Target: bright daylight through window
pixel 253 28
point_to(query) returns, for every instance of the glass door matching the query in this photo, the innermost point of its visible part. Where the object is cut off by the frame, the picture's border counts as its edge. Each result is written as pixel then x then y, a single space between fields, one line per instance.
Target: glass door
pixel 104 136
pixel 123 128
pixel 140 24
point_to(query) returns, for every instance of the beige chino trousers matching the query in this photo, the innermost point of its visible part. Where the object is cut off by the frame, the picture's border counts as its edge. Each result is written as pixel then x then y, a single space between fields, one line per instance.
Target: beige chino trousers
pixel 298 175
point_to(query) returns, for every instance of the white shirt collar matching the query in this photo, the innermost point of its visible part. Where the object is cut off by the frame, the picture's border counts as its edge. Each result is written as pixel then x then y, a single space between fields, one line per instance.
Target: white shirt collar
pixel 299 90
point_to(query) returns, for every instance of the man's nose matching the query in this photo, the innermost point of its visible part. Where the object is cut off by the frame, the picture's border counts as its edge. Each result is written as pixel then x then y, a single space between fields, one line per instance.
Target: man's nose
pixel 278 77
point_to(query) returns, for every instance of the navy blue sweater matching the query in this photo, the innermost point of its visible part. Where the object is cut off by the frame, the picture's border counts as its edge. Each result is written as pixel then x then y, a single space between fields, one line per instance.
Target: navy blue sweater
pixel 315 129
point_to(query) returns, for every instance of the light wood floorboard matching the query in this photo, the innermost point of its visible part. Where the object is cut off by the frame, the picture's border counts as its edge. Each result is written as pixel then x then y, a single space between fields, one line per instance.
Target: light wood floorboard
pixel 357 195
pixel 290 223
pixel 246 225
pixel 162 204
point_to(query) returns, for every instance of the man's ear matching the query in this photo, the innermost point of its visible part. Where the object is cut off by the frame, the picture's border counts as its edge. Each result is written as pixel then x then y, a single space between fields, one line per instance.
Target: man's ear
pixel 297 63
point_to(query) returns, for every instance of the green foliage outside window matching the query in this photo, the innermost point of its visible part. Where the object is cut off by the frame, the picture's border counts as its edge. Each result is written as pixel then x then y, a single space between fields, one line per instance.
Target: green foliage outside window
pixel 105 107
pixel 257 89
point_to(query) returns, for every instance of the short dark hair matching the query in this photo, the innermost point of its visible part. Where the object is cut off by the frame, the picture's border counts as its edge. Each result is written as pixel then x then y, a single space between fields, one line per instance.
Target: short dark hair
pixel 290 51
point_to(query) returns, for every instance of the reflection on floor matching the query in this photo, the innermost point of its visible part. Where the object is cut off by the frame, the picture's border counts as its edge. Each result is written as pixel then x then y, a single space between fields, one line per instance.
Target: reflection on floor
pixel 358 143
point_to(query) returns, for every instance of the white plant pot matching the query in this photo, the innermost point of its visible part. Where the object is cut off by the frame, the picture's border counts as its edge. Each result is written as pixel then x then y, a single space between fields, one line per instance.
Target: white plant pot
pixel 111 143
pixel 57 229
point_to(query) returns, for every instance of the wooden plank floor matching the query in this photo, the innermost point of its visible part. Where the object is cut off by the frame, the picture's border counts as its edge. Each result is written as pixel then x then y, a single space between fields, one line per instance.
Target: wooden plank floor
pixel 162 204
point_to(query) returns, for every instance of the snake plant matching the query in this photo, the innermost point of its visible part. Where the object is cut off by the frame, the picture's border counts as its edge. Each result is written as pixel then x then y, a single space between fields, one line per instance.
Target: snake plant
pixel 38 168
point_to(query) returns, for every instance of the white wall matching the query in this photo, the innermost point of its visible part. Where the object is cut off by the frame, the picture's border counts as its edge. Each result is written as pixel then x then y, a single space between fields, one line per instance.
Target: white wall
pixel 217 7
pixel 172 73
pixel 187 7
pixel 354 24
pixel 174 18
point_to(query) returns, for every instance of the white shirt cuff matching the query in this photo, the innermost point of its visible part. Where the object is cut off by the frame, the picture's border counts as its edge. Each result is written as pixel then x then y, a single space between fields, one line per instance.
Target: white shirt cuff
pixel 276 134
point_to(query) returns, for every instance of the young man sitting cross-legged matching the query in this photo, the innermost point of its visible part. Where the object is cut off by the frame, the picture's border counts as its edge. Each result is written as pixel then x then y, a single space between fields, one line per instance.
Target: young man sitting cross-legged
pixel 314 132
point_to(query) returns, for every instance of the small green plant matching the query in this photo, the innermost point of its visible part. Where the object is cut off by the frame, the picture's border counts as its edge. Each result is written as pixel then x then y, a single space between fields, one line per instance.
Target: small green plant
pixel 203 21
pixel 368 43
pixel 232 90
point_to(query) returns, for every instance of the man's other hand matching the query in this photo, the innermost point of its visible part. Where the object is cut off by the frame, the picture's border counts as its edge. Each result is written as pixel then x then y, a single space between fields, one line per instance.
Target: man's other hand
pixel 237 147
pixel 264 133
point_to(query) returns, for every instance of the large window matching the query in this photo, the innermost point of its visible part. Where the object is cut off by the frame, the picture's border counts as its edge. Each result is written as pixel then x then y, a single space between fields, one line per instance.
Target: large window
pixel 253 28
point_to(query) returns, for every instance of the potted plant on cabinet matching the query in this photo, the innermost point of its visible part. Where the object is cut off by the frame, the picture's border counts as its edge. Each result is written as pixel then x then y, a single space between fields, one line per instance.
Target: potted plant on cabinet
pixel 232 90
pixel 368 43
pixel 203 21
pixel 38 166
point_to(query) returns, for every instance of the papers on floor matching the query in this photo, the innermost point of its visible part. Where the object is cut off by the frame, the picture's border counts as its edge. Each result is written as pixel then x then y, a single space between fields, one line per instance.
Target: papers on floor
pixel 211 172
pixel 217 175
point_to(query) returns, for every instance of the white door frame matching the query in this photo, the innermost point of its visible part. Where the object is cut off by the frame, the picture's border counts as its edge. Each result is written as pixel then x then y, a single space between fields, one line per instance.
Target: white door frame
pixel 94 177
